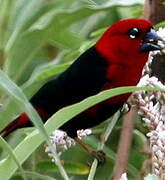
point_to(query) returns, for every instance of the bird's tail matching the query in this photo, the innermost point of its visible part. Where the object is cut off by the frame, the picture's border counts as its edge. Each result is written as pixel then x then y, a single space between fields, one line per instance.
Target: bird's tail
pixel 20 122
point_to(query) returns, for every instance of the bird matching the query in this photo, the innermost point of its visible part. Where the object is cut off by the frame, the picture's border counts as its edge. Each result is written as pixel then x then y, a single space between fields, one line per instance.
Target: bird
pixel 116 60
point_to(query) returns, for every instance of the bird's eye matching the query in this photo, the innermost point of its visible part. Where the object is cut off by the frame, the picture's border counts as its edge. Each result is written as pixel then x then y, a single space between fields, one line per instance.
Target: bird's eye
pixel 134 33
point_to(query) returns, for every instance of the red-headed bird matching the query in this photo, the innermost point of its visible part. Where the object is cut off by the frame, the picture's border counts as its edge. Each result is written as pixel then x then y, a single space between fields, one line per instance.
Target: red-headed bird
pixel 116 60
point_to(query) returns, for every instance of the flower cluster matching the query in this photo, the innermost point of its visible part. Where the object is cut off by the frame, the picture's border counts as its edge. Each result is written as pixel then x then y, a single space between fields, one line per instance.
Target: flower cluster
pixel 161 33
pixel 157 142
pixel 83 132
pixel 61 141
pixel 151 106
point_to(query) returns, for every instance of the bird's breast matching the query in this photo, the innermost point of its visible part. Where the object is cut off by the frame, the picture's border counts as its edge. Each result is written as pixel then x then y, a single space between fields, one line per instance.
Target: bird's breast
pixel 120 75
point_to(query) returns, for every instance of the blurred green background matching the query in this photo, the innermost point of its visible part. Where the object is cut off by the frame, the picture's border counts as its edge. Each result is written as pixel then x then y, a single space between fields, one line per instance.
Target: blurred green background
pixel 38 40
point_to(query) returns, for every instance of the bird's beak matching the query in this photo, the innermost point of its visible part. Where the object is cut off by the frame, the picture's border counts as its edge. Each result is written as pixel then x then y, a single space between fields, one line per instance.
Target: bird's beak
pixel 150 42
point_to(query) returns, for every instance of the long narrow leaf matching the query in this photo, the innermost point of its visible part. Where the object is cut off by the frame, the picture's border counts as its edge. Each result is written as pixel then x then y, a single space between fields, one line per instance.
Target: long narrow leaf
pixel 14 91
pixel 31 142
pixel 49 25
pixel 37 79
pixel 37 175
pixel 8 149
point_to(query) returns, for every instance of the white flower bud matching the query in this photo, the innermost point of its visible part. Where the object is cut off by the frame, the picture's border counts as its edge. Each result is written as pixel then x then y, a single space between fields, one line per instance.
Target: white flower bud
pixel 123 177
pixel 82 133
pixel 155 148
pixel 156 165
pixel 151 106
pixel 156 171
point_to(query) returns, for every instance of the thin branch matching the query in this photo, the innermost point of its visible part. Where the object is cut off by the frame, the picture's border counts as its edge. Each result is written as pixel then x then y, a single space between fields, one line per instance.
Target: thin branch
pixel 124 144
pixel 154 10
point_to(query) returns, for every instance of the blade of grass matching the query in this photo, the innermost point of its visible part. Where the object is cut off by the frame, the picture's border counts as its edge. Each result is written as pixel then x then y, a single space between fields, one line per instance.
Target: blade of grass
pixel 37 175
pixel 30 8
pixel 41 30
pixel 37 79
pixel 32 141
pixel 8 149
pixel 14 91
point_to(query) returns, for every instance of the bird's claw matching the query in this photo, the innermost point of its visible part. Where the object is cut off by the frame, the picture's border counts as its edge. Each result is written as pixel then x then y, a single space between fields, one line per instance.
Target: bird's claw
pixel 100 156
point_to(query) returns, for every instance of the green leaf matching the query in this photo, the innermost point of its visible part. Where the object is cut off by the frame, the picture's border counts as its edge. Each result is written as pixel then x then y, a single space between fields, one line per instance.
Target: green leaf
pixel 140 138
pixel 71 40
pixel 14 91
pixel 70 167
pixel 98 32
pixel 10 88
pixel 36 175
pixel 47 71
pixel 37 79
pixel 48 25
pixel 24 11
pixel 8 149
pixel 121 3
pixel 5 9
pixel 93 142
pixel 32 141
pixel 159 25
pixel 18 58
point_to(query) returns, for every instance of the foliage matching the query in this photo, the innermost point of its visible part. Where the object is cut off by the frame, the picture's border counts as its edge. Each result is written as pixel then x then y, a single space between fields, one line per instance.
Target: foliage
pixel 38 40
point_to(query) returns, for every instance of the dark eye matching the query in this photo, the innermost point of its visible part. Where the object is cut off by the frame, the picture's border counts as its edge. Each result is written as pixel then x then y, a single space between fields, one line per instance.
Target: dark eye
pixel 134 33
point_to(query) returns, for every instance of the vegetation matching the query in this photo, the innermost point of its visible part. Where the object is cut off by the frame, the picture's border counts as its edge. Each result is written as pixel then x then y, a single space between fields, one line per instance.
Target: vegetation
pixel 39 39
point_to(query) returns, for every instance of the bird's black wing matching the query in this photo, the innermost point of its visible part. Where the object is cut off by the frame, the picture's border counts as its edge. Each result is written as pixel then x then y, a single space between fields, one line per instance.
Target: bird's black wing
pixel 85 77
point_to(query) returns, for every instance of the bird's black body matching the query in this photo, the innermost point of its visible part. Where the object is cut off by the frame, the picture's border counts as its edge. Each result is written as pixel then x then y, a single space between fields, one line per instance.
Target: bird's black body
pixel 85 77
pixel 116 60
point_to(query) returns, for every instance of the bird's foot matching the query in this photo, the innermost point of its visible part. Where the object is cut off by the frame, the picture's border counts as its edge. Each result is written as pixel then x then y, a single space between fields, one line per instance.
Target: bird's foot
pixel 100 156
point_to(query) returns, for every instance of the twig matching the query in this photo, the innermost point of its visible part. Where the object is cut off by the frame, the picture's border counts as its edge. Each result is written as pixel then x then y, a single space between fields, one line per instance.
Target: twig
pixel 154 10
pixel 124 144
pixel 104 138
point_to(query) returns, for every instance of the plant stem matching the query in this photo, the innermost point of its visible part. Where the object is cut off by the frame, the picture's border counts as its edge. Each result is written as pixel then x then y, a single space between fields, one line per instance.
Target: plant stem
pixel 124 144
pixel 104 138
pixel 58 163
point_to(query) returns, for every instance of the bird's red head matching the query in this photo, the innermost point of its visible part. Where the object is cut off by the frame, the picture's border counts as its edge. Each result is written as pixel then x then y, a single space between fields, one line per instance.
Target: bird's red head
pixel 127 40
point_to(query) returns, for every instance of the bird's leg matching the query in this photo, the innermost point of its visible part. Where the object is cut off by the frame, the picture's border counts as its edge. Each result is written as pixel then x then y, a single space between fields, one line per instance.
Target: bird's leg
pixel 99 155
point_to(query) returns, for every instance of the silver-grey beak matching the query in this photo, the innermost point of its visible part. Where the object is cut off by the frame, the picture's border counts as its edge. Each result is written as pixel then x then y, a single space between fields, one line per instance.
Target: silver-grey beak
pixel 150 42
